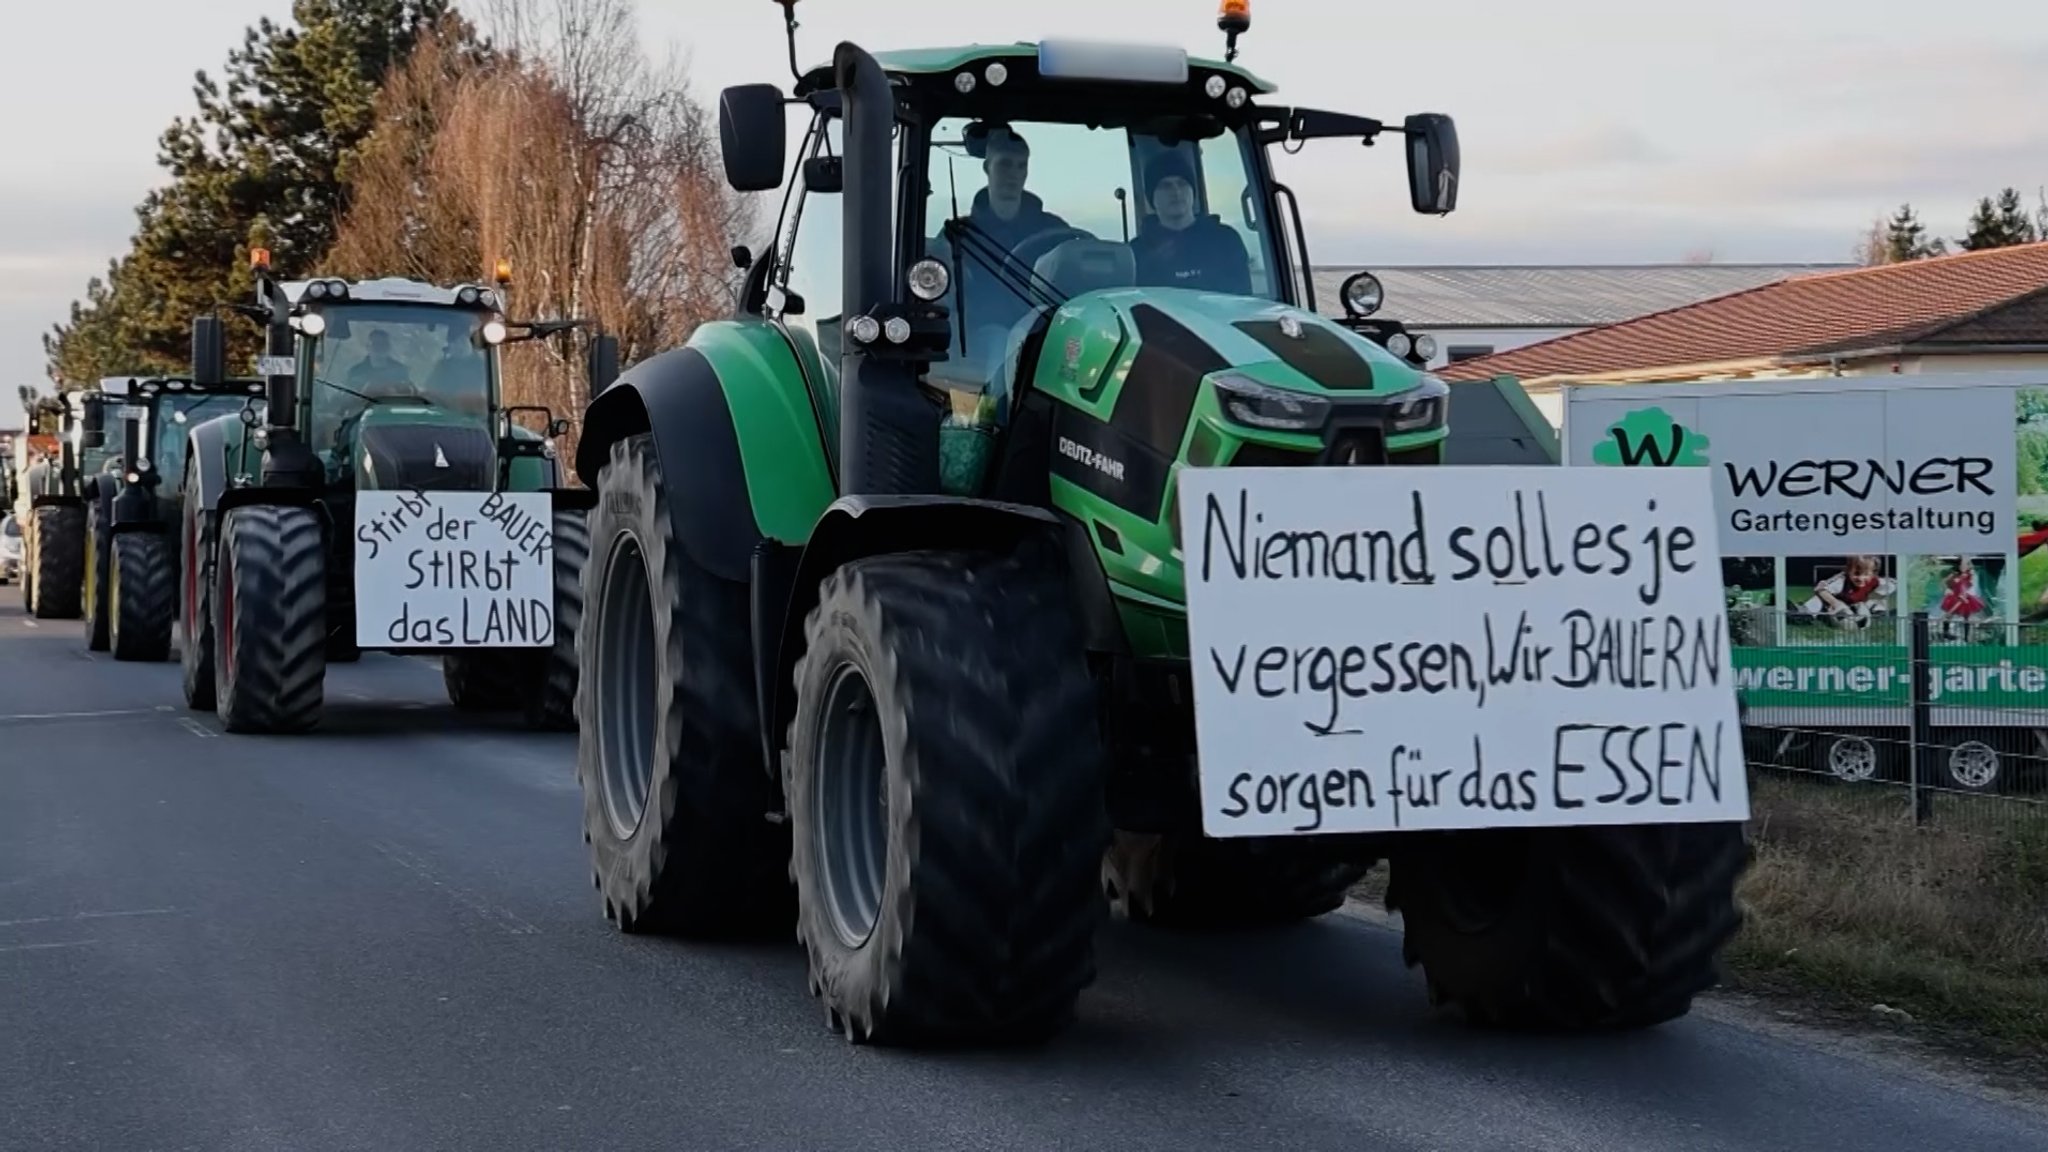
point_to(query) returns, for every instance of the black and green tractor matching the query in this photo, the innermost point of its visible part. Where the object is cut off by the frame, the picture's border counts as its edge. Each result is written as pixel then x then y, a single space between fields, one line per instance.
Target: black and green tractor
pixel 886 634
pixel 53 508
pixel 132 601
pixel 381 422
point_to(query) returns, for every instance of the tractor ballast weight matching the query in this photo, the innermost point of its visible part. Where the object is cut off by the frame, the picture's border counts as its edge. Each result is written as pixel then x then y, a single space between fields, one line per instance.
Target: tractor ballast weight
pixel 272 497
pixel 865 660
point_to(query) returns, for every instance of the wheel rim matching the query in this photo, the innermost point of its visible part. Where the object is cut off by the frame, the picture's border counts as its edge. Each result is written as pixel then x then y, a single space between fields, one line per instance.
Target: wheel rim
pixel 627 671
pixel 1852 758
pixel 1973 764
pixel 851 835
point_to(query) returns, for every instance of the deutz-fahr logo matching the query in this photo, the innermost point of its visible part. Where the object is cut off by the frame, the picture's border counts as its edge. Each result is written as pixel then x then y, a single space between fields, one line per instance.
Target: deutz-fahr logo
pixel 1650 437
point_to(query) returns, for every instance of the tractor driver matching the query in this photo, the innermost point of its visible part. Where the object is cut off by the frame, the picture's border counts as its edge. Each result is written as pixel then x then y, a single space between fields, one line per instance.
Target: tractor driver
pixel 1178 248
pixel 380 372
pixel 1004 215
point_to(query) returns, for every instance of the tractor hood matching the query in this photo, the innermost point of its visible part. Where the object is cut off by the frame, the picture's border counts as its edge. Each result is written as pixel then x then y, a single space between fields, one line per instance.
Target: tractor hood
pixel 1157 366
pixel 423 447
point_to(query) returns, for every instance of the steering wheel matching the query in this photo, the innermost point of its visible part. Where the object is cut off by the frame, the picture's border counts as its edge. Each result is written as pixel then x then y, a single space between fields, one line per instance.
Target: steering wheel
pixel 1016 263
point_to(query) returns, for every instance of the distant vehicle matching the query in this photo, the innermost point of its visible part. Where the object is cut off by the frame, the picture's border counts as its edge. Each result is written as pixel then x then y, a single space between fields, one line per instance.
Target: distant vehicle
pixel 10 549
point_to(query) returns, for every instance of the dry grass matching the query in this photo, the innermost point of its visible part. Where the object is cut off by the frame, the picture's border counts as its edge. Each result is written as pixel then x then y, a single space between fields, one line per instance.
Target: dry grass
pixel 1851 905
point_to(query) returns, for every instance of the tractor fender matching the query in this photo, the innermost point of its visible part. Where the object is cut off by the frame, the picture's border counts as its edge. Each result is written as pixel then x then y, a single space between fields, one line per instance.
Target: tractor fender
pixel 736 435
pixel 785 585
pixel 206 458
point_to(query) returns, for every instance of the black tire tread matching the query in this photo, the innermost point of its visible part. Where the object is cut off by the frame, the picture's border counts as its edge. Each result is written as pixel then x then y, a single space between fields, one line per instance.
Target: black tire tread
pixel 143 598
pixel 60 562
pixel 706 862
pixel 1627 927
pixel 196 656
pixel 551 700
pixel 990 934
pixel 98 572
pixel 272 679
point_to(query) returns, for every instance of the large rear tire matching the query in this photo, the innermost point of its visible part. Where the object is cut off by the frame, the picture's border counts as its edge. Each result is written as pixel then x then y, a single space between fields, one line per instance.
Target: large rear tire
pixel 270 619
pixel 1188 880
pixel 1579 929
pixel 196 576
pixel 681 815
pixel 946 790
pixel 550 700
pixel 60 561
pixel 141 598
pixel 98 570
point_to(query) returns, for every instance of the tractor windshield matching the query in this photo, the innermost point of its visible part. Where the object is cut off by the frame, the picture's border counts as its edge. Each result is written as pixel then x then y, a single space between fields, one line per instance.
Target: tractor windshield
pixel 1040 212
pixel 399 354
pixel 176 413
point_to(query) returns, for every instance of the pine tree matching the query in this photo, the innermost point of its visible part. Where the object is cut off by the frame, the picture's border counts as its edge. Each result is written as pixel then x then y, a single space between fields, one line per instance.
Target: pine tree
pixel 1906 238
pixel 1999 224
pixel 266 155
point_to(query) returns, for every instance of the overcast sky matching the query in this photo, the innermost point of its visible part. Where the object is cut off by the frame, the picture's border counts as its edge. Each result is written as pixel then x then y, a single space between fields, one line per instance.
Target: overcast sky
pixel 1591 132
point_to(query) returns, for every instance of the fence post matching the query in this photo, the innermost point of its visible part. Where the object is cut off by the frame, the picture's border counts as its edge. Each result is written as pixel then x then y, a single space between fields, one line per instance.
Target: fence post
pixel 1922 733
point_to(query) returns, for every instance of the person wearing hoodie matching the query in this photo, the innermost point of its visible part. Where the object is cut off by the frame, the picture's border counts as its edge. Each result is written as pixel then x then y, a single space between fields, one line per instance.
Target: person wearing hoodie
pixel 1179 248
pixel 1007 214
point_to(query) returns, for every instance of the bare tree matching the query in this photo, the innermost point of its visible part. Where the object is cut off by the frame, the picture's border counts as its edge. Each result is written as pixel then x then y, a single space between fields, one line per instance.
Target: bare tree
pixel 566 152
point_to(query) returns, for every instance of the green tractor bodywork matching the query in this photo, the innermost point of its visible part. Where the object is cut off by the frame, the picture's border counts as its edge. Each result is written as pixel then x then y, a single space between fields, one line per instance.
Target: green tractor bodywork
pixel 383 386
pixel 887 634
pixel 53 506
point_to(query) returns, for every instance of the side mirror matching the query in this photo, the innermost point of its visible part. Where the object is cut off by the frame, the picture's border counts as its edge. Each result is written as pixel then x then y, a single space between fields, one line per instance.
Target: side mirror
pixel 742 257
pixel 826 174
pixel 753 136
pixel 209 352
pixel 1432 162
pixel 604 363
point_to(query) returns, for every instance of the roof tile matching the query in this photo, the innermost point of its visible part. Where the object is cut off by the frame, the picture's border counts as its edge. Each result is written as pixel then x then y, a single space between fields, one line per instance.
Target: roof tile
pixel 1915 301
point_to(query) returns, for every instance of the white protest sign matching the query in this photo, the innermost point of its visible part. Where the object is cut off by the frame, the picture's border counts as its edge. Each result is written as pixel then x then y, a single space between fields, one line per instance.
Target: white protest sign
pixel 454 569
pixel 1382 649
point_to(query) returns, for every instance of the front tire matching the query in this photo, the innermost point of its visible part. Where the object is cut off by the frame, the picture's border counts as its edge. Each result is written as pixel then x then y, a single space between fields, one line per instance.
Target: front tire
pixel 196 579
pixel 270 618
pixel 141 598
pixel 946 791
pixel 680 813
pixel 550 699
pixel 60 561
pixel 98 566
pixel 1578 929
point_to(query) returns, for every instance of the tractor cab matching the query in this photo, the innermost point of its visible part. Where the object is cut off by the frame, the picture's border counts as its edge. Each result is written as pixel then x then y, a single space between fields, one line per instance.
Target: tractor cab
pixel 1036 211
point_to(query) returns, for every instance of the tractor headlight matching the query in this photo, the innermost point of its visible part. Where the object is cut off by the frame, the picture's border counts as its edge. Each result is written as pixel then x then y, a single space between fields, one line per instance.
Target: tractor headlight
pixel 1256 405
pixel 494 332
pixel 312 324
pixel 1424 408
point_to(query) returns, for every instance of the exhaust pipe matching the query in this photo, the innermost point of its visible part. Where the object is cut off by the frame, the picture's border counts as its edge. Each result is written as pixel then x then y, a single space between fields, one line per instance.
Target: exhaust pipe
pixel 888 432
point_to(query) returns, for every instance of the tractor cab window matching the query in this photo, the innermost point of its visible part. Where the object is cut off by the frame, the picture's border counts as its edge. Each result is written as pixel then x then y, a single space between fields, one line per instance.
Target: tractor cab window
pixel 1027 215
pixel 400 354
pixel 176 414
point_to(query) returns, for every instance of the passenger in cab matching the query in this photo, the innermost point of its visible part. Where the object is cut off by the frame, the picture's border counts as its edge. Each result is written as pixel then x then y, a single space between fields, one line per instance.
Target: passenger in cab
pixel 1180 248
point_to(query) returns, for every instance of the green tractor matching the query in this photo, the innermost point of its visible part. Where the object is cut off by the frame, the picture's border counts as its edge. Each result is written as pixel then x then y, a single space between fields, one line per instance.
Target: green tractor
pixel 133 608
pixel 885 635
pixel 53 506
pixel 381 498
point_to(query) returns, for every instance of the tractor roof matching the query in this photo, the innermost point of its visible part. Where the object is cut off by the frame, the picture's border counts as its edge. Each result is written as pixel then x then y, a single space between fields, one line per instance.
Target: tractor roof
pixel 385 290
pixel 943 60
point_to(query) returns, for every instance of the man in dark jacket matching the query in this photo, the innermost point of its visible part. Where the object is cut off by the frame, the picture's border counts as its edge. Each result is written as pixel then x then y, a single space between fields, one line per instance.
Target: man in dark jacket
pixel 1179 249
pixel 1006 215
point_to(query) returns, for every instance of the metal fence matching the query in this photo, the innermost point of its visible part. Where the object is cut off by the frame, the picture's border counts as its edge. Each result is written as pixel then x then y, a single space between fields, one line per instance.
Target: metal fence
pixel 1918 718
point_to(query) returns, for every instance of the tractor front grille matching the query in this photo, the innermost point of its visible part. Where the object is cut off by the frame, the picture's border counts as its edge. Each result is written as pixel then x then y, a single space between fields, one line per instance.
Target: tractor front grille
pixel 427 457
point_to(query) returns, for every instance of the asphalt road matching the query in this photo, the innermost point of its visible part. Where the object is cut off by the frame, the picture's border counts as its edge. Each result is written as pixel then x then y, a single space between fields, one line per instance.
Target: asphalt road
pixel 383 936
